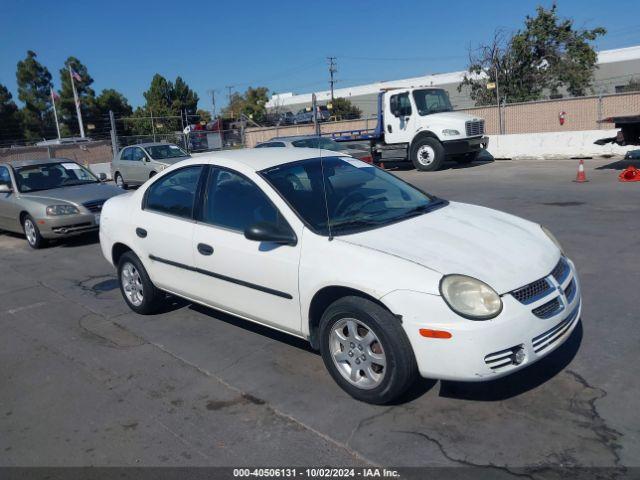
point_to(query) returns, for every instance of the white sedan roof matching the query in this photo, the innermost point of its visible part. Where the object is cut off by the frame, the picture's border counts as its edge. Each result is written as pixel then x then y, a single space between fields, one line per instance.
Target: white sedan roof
pixel 260 158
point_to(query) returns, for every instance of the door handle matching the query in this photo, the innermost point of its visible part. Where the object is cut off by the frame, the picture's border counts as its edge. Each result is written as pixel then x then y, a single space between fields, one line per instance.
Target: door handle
pixel 141 232
pixel 205 249
pixel 389 129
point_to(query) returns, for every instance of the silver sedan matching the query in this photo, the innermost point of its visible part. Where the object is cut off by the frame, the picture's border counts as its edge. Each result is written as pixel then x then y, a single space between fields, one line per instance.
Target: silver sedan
pixel 54 198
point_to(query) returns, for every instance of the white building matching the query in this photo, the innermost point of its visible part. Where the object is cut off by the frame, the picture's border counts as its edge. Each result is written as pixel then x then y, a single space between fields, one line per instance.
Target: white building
pixel 615 69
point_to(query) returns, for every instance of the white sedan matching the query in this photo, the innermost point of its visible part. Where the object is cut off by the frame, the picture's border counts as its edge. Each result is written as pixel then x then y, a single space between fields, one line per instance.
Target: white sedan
pixel 387 281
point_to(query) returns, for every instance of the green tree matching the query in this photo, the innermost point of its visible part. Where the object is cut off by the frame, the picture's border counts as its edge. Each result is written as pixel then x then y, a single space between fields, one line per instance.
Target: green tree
pixel 204 115
pixel 10 127
pixel 184 98
pixel 343 109
pixel 251 103
pixel 111 100
pixel 34 81
pixel 66 105
pixel 548 55
pixel 159 97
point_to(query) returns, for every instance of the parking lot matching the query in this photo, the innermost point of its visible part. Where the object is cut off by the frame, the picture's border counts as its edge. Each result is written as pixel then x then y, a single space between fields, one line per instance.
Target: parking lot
pixel 87 382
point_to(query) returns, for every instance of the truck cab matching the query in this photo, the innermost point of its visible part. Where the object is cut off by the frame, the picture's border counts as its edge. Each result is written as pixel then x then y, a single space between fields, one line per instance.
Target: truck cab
pixel 419 124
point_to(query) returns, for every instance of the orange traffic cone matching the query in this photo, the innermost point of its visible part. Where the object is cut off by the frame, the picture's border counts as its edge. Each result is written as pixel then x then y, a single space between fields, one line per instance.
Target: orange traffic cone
pixel 581 177
pixel 630 174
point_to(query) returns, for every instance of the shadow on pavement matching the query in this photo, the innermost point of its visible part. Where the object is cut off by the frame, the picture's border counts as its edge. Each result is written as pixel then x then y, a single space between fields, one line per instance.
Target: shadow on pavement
pixel 620 164
pixel 521 381
pixel 254 327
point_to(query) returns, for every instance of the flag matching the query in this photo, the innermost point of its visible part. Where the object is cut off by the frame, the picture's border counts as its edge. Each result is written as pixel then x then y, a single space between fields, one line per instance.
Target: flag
pixel 54 95
pixel 75 75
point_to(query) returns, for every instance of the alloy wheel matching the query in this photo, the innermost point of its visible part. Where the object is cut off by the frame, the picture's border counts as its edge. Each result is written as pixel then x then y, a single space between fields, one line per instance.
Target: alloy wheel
pixel 30 232
pixel 132 284
pixel 357 353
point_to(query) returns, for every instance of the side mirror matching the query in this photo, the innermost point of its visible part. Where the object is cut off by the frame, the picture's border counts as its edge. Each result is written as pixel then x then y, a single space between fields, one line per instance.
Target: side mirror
pixel 270 232
pixel 102 177
pixel 5 188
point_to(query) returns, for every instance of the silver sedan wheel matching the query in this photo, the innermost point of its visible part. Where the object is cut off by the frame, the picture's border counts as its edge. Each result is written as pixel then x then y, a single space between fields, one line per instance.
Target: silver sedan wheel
pixel 426 155
pixel 132 284
pixel 30 232
pixel 357 353
pixel 119 181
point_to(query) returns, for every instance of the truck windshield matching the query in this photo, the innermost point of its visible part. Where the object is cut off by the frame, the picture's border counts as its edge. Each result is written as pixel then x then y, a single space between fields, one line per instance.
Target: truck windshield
pixel 432 101
pixel 358 196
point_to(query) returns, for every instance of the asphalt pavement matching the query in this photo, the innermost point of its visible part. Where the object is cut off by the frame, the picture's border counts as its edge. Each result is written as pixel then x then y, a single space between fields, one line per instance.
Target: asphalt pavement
pixel 84 381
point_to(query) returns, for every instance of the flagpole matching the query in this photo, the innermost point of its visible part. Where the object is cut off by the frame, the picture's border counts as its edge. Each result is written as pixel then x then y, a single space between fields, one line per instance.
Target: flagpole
pixel 55 113
pixel 77 102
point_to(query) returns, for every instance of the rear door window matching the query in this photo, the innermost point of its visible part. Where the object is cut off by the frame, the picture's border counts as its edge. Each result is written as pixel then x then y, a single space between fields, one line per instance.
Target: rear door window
pixel 175 193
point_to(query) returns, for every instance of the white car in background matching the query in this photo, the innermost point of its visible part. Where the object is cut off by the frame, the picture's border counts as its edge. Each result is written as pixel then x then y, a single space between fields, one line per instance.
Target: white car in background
pixel 386 281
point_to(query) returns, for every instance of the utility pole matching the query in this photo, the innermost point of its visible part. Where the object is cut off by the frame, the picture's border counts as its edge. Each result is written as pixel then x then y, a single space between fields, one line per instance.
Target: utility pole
pixel 213 103
pixel 332 69
pixel 114 134
pixel 229 89
pixel 498 100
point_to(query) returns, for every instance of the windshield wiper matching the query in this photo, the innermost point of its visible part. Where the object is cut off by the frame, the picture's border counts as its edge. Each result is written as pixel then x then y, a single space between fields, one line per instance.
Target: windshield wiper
pixel 353 223
pixel 420 209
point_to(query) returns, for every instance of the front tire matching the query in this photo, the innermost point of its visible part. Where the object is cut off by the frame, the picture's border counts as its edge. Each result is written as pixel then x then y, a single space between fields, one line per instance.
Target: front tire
pixel 32 232
pixel 137 289
pixel 366 350
pixel 427 154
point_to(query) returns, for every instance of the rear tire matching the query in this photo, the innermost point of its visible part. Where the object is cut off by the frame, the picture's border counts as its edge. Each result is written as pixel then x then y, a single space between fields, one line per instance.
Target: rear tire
pixel 366 350
pixel 119 181
pixel 32 232
pixel 427 154
pixel 137 289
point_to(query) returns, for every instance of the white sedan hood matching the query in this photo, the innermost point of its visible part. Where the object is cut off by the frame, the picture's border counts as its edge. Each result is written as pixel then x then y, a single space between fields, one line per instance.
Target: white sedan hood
pixel 502 250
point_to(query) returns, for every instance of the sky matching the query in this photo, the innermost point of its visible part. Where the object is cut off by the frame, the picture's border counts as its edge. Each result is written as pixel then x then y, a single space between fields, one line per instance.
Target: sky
pixel 282 45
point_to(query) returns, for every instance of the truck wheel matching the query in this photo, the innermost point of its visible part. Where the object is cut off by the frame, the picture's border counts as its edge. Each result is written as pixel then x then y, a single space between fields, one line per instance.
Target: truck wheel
pixel 427 154
pixel 366 350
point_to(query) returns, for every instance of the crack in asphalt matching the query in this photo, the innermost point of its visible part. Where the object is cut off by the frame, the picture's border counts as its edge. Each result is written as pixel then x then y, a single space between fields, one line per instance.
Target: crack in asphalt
pixel 276 411
pixel 365 421
pixel 461 461
pixel 607 435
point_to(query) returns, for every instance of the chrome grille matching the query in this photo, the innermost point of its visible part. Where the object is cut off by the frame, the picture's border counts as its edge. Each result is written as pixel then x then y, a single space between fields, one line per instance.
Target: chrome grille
pixel 542 287
pixel 94 206
pixel 570 291
pixel 532 292
pixel 474 128
pixel 503 358
pixel 552 335
pixel 561 270
pixel 549 309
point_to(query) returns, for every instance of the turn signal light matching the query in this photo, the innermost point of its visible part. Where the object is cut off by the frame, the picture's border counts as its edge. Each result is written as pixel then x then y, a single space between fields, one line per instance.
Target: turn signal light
pixel 426 332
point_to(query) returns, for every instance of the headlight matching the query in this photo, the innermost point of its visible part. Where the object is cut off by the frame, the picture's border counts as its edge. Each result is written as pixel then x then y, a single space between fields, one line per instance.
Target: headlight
pixel 552 238
pixel 450 132
pixel 54 210
pixel 470 297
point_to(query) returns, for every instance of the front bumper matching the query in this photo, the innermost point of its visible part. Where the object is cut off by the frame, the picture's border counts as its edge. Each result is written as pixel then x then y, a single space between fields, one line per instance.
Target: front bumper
pixel 484 350
pixel 68 225
pixel 466 145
